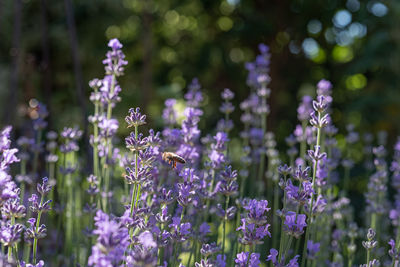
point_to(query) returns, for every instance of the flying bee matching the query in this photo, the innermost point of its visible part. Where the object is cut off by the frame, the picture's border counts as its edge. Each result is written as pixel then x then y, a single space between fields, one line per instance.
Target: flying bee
pixel 173 158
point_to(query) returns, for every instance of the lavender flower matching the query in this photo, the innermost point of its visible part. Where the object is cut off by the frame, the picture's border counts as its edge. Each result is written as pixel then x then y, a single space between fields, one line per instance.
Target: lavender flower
pixel 112 241
pixel 114 62
pixel 244 260
pixel 135 118
pixel 273 257
pixel 312 249
pixel 294 224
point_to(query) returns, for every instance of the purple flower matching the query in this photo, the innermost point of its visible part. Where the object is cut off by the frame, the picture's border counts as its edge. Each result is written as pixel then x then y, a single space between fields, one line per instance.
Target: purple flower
pixel 319 105
pixel 318 205
pixel 227 108
pixel 39 264
pixel 136 143
pixel 12 208
pixel 10 234
pixel 108 127
pixel 135 118
pixel 324 89
pixel 305 108
pixel 258 70
pixel 221 260
pixel 300 195
pixel 209 249
pixel 185 193
pixel 318 121
pixel 312 249
pixel 147 240
pixel 31 232
pixel 194 96
pixel 142 176
pixel 204 229
pixel 241 259
pixel 141 257
pixel 114 62
pixel 70 138
pixel 7 187
pixel 112 241
pixel 316 154
pixel 294 223
pixel 257 211
pixel 45 187
pixel 253 234
pixel 227 94
pixel 180 231
pixel 39 206
pixel 393 251
pixel 273 255
pixel 169 114
pixel 302 175
pixel 8 157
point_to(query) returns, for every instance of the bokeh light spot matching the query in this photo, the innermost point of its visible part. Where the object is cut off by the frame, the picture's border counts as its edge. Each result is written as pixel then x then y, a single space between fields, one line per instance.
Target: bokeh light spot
pixel 310 47
pixel 342 54
pixel 225 23
pixel 356 81
pixel 236 55
pixel 378 9
pixel 113 32
pixel 314 26
pixel 342 18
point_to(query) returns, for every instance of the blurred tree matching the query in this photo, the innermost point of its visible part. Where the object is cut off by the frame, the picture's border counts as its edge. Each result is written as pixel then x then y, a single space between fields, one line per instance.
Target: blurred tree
pixel 351 42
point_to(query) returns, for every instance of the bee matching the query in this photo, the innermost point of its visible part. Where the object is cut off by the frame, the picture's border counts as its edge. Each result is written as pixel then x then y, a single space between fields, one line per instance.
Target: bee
pixel 173 158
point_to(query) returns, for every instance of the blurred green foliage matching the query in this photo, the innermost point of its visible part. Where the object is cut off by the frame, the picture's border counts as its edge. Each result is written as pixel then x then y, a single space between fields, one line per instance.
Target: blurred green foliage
pixel 355 44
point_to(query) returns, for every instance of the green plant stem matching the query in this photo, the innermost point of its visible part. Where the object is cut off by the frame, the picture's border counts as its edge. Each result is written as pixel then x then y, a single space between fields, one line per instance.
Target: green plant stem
pixel 35 240
pixel 139 187
pixel 224 225
pixel 10 247
pixel 275 218
pixel 96 151
pixel 303 142
pixel 261 169
pixel 282 238
pixel 287 246
pixel 109 144
pixel 136 187
pixel 23 172
pixel 210 190
pixel 191 252
pixel 309 220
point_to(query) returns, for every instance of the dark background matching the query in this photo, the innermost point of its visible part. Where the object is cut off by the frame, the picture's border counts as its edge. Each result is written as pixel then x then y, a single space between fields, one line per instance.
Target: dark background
pixel 49 50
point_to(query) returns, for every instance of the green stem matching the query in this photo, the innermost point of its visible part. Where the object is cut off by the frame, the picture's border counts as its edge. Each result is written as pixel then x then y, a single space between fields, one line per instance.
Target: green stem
pixel 10 247
pixel 282 238
pixel 309 221
pixel 23 172
pixel 136 187
pixel 262 158
pixel 275 218
pixel 287 247
pixel 224 225
pixel 35 240
pixel 109 143
pixel 303 142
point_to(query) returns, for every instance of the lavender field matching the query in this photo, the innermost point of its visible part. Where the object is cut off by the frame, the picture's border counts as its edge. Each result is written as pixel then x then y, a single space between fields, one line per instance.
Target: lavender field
pixel 176 197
